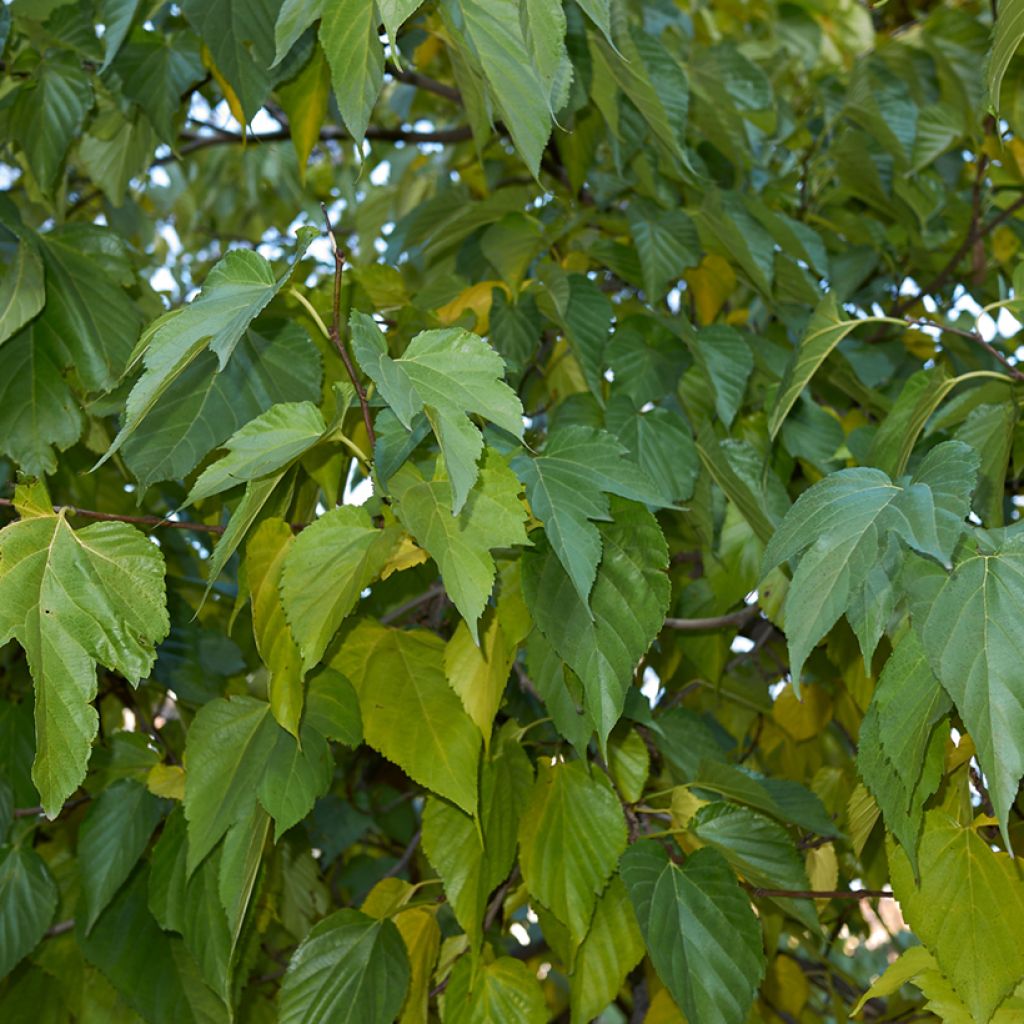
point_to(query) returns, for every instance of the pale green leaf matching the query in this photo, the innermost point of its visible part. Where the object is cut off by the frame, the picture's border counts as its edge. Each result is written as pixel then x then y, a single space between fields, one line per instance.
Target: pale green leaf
pixel 117 17
pixel 328 567
pixel 294 17
pixel 518 91
pixel 112 838
pixel 1009 32
pixel 265 444
pixel 235 292
pixel 700 930
pixel 968 632
pixel 410 713
pixel 446 374
pixel 570 838
pixel 227 748
pixel 492 517
pixel 567 486
pixel 666 242
pixel 612 948
pixel 239 866
pixel 72 599
pixel 22 291
pixel 265 554
pixel 824 331
pixel 977 945
pixel 393 13
pixel 28 899
pixel 603 641
pixel 504 991
pixel 348 35
pixel 349 968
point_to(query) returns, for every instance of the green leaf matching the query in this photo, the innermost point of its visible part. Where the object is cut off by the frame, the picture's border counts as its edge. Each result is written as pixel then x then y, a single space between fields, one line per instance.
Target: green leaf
pixel 22 291
pixel 519 93
pixel 666 242
pixel 240 859
pixel 989 431
pixel 977 658
pixel 701 933
pixel 117 17
pixel 446 374
pixel 1009 31
pixel 348 35
pixel 824 331
pixel 202 407
pixel 393 13
pixel 294 777
pixel 841 525
pixel 760 850
pixel 265 444
pixel 293 19
pixel 570 838
pixel 72 599
pixel 492 517
pixel 226 753
pixel 728 361
pixel 332 707
pixel 240 35
pixel 959 870
pixel 603 641
pixel 612 948
pixel 350 967
pixel 474 856
pixel 566 486
pixel 331 562
pixel 113 836
pixel 265 554
pixel 410 713
pixel 235 292
pixel 504 991
pixel 28 899
pixel 48 113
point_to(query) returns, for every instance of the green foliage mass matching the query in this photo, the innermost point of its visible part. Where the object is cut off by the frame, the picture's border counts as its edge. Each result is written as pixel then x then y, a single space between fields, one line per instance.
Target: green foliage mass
pixel 509 511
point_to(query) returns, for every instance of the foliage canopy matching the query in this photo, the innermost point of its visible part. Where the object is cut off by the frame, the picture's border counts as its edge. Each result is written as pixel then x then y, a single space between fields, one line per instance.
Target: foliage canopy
pixel 582 579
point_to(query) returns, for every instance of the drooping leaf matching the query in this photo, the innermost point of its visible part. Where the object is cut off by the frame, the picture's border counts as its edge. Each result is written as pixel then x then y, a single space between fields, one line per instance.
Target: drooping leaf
pixel 294 777
pixel 959 868
pixel 22 290
pixel 965 630
pixel 446 374
pixel 504 991
pixel 700 930
pixel 666 242
pixel 350 967
pixel 327 568
pixel 112 838
pixel 1009 32
pixel 492 517
pixel 28 899
pixel 410 713
pixel 567 486
pixel 73 598
pixel 229 743
pixel 570 838
pixel 348 35
pixel 603 641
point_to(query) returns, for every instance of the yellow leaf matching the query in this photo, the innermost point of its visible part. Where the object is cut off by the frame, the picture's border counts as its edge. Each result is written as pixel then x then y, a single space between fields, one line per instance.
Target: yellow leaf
pixel 478 298
pixel 304 99
pixel 861 815
pixel 786 986
pixel 1015 148
pixel 386 897
pixel 822 868
pixel 576 262
pixel 405 556
pixel 663 1010
pixel 711 284
pixel 563 374
pixel 419 928
pixel 234 103
pixel 684 806
pixel 1005 244
pixel 166 780
pixel 803 718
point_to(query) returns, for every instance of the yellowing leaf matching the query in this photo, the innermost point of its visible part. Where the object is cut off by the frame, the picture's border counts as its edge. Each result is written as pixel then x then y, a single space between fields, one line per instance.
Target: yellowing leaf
pixel 304 100
pixel 806 716
pixel 711 284
pixel 234 103
pixel 406 555
pixel 477 298
pixel 167 780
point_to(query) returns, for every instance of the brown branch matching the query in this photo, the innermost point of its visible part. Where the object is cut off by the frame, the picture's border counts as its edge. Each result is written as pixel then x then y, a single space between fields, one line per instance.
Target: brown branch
pixel 970 336
pixel 740 618
pixel 429 594
pixel 335 330
pixel 60 928
pixel 407 855
pixel 34 812
pixel 418 81
pixel 117 517
pixel 818 894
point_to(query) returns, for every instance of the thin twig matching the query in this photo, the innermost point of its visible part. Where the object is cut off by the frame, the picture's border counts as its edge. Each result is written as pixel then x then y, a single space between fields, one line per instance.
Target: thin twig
pixel 418 81
pixel 59 928
pixel 970 336
pixel 117 517
pixel 406 859
pixel 740 618
pixel 495 905
pixel 34 812
pixel 414 602
pixel 335 329
pixel 819 894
